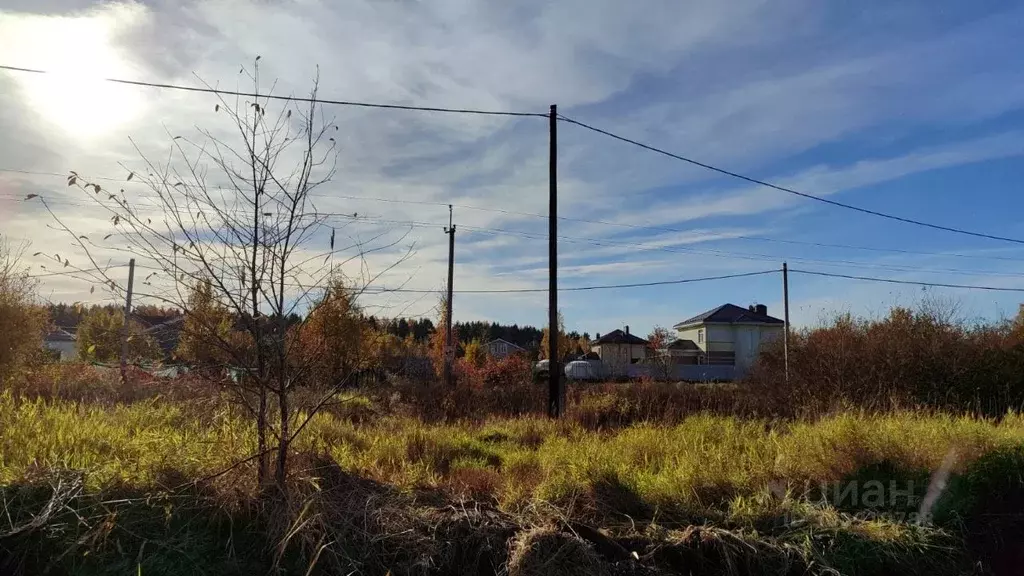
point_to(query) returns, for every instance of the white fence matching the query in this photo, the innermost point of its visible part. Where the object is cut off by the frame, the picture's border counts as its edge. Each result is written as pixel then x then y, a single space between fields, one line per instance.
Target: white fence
pixel 596 370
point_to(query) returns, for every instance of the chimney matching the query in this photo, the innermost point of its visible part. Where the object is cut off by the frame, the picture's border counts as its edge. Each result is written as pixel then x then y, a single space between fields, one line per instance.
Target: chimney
pixel 751 308
pixel 761 309
pixel 597 335
pixel 627 329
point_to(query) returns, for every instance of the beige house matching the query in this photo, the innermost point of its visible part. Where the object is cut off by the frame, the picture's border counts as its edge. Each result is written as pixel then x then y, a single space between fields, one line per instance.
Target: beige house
pixel 499 348
pixel 618 349
pixel 729 335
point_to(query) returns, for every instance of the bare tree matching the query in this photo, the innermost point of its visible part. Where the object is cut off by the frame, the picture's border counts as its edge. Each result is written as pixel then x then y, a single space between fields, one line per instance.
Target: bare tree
pixel 247 241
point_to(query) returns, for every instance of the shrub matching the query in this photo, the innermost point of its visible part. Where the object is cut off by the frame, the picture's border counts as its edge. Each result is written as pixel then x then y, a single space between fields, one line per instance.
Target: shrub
pixel 22 320
pixel 909 358
pixel 99 338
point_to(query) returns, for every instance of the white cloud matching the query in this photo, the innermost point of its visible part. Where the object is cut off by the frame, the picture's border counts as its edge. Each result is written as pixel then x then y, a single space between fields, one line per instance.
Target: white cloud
pixel 747 84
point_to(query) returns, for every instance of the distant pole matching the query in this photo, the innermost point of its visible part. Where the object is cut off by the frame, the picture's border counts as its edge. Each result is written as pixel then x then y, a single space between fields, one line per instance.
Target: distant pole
pixel 127 315
pixel 785 334
pixel 556 393
pixel 449 354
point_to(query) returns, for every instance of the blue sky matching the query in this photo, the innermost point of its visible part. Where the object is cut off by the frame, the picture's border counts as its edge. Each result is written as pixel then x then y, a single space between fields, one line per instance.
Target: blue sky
pixel 915 109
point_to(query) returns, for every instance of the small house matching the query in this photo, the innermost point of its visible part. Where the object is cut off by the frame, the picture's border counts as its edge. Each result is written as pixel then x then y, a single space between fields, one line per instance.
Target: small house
pixel 63 344
pixel 618 349
pixel 499 348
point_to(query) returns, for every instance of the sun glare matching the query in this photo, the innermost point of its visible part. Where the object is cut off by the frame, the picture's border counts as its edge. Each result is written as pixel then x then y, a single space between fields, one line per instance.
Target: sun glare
pixel 79 51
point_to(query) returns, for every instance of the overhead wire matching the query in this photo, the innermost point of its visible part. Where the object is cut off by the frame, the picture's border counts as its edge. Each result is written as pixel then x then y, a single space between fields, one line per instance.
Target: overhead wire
pixel 788 190
pixel 907 282
pixel 353 103
pixel 607 133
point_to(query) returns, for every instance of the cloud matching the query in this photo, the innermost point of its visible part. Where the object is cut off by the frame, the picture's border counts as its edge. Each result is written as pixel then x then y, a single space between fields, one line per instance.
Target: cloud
pixel 824 180
pixel 747 84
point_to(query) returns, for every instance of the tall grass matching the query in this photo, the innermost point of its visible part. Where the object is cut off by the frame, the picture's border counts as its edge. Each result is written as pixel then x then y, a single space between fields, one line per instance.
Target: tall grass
pixel 695 468
pixel 138 445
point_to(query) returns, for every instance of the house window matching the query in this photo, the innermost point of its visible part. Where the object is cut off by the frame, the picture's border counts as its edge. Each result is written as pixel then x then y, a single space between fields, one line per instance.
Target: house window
pixel 700 336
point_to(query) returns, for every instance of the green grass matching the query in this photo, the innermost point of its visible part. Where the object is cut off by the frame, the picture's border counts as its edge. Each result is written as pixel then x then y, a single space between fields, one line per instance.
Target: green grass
pixel 707 469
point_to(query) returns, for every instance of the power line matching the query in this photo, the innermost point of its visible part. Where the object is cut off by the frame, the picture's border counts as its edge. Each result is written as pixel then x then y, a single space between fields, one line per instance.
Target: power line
pixel 738 255
pixel 790 190
pixel 574 288
pixel 382 290
pixel 292 98
pixel 910 282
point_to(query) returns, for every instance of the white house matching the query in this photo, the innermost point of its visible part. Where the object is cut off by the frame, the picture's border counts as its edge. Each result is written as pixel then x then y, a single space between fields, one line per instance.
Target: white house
pixel 62 343
pixel 618 349
pixel 730 335
pixel 499 348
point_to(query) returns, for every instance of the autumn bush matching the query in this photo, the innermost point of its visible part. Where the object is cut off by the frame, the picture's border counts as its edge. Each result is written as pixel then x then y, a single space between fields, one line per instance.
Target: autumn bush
pixel 22 320
pixel 906 359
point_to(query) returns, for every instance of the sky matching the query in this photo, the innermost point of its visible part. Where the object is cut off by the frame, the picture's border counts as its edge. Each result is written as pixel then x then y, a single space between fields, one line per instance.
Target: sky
pixel 913 108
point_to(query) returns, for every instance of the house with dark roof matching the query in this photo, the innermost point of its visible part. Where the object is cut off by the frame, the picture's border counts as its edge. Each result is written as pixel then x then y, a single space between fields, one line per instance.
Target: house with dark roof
pixel 730 334
pixel 166 334
pixel 618 349
pixel 683 352
pixel 63 344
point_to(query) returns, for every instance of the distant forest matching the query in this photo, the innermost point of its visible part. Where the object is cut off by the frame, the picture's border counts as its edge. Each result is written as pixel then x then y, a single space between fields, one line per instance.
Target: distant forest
pixel 69 316
pixel 528 337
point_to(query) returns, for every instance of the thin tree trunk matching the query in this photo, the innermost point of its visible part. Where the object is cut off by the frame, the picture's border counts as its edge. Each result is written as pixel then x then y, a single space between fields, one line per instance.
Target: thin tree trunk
pixel 262 462
pixel 281 474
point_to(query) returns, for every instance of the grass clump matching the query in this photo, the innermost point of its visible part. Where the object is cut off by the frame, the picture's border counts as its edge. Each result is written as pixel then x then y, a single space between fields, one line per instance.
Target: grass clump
pixel 549 552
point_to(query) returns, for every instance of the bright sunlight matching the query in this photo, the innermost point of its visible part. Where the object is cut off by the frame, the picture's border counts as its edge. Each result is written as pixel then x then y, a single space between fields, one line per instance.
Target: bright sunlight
pixel 79 50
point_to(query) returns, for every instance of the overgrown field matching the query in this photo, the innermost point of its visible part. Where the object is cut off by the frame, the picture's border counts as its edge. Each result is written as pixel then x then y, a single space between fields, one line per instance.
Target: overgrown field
pixel 153 485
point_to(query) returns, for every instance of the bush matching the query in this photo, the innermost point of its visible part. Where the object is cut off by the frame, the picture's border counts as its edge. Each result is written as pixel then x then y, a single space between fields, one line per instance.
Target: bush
pixel 22 320
pixel 910 358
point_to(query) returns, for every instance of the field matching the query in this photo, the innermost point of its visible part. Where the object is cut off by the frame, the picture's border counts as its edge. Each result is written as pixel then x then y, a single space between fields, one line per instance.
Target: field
pixel 94 483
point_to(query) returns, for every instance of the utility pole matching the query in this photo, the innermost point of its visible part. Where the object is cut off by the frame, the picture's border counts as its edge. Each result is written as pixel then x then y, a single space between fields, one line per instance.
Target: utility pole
pixel 449 350
pixel 556 393
pixel 124 328
pixel 785 335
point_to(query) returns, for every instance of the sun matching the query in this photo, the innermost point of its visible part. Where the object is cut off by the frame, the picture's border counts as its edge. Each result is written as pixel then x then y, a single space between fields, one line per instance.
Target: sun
pixel 80 52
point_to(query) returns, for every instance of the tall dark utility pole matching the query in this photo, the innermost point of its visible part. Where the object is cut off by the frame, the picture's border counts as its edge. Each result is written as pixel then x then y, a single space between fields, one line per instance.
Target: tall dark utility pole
pixel 127 317
pixel 449 350
pixel 785 334
pixel 556 393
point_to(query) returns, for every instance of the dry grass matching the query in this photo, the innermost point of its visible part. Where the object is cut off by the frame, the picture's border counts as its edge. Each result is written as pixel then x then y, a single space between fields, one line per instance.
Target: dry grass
pixel 382 491
pixel 549 552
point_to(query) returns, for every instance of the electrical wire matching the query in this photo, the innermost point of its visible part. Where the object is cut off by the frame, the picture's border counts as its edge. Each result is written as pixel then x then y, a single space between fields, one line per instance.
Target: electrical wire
pixel 790 190
pixel 292 98
pixel 383 290
pixel 909 282
pixel 372 290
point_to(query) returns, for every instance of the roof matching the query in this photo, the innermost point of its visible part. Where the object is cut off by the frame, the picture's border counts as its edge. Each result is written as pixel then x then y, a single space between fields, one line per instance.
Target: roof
pixel 682 344
pixel 167 334
pixel 619 337
pixel 502 340
pixel 730 314
pixel 60 335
